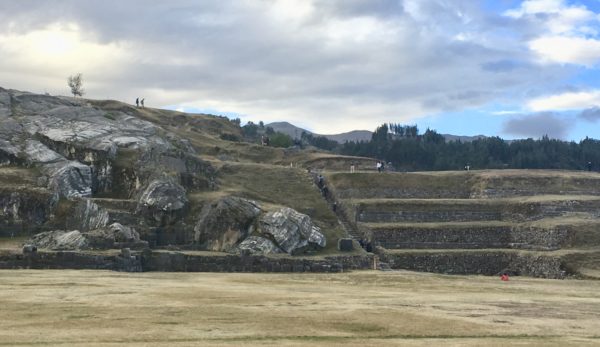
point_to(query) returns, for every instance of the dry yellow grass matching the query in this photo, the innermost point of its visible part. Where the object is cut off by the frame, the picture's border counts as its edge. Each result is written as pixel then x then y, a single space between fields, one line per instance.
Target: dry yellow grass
pixel 96 308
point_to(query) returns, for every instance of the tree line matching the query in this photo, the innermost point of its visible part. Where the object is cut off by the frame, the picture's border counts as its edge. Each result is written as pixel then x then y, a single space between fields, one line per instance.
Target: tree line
pixel 406 149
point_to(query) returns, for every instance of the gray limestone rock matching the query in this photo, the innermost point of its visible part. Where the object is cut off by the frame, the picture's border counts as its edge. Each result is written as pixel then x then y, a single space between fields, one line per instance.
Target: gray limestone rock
pixel 70 179
pixel 106 237
pixel 345 245
pixel 257 245
pixel 87 216
pixel 293 232
pixel 102 238
pixel 60 240
pixel 163 202
pixel 224 223
pixel 4 104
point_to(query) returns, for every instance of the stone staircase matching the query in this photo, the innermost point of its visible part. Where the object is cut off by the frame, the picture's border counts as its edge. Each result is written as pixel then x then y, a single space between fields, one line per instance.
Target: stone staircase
pixel 474 225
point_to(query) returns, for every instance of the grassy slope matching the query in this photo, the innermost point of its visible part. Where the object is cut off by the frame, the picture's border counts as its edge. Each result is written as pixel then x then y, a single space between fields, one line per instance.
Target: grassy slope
pixel 276 186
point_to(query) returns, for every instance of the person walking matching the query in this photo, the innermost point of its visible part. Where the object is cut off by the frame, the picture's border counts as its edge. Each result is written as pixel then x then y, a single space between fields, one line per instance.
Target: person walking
pixel 137 102
pixel 142 103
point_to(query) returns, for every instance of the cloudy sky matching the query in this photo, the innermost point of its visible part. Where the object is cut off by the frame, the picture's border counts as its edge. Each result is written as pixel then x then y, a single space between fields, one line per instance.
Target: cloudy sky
pixel 495 67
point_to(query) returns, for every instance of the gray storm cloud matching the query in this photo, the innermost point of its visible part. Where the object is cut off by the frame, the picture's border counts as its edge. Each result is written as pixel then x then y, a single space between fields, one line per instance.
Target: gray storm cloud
pixel 368 61
pixel 537 125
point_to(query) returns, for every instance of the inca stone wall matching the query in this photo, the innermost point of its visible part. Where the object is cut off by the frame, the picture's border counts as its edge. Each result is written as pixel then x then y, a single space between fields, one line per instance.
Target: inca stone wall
pixel 180 261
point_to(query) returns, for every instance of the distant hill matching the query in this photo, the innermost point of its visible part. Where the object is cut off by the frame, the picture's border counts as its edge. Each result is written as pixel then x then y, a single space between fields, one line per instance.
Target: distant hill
pixel 296 132
pixel 355 135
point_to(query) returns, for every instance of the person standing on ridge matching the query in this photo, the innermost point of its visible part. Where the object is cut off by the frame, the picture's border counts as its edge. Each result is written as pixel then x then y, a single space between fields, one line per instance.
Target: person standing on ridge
pixel 137 102
pixel 142 102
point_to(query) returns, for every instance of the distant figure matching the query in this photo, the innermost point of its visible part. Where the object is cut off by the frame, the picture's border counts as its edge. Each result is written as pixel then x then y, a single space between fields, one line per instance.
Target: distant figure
pixel 137 102
pixel 320 181
pixel 504 277
pixel 352 167
pixel 142 103
pixel 378 166
pixel 467 167
pixel 334 206
pixel 383 166
pixel 589 166
pixel 325 192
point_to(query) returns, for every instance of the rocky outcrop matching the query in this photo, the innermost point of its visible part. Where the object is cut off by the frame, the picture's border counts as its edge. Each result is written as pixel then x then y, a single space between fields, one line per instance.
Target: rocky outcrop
pixel 23 210
pixel 224 223
pixel 257 245
pixel 87 216
pixel 115 236
pixel 60 240
pixel 112 236
pixel 293 232
pixel 163 202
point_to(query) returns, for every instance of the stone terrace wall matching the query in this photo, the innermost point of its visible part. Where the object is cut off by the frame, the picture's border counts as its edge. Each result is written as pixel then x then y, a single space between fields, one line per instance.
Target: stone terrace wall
pixel 471 236
pixel 178 261
pixel 410 211
pixel 483 263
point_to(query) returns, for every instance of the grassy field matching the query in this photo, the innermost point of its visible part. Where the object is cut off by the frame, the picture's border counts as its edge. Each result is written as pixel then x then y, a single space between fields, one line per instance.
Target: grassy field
pixel 96 308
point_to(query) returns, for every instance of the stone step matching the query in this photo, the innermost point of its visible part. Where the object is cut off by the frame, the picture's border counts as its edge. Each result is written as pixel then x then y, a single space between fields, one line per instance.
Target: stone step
pixel 116 204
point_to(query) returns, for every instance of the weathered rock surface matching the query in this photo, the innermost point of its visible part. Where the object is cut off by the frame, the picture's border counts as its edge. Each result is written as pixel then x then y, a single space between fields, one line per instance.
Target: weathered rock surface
pixel 24 209
pixel 113 235
pixel 104 238
pixel 163 202
pixel 76 144
pixel 257 245
pixel 224 223
pixel 60 240
pixel 87 216
pixel 294 232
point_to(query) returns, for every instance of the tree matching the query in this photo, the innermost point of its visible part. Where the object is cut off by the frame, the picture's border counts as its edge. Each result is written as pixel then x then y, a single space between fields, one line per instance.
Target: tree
pixel 76 85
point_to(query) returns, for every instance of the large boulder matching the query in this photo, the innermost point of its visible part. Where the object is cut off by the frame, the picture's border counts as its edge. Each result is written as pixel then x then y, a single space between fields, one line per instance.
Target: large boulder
pixel 224 223
pixel 163 202
pixel 112 236
pixel 293 232
pixel 60 240
pixel 257 245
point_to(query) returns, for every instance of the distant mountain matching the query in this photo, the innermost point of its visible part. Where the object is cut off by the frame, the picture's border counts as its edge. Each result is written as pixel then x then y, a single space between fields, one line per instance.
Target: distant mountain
pixel 355 135
pixel 296 132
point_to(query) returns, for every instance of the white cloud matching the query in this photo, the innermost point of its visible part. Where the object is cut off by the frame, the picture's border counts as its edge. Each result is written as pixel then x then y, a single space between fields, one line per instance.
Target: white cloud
pixel 532 7
pixel 566 101
pixel 562 49
pixel 568 31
